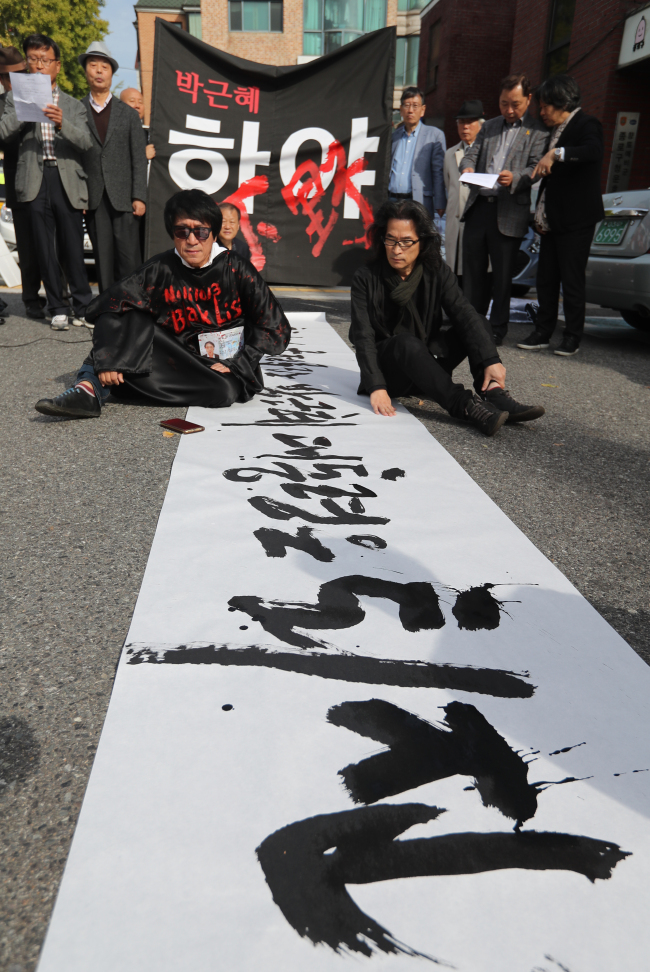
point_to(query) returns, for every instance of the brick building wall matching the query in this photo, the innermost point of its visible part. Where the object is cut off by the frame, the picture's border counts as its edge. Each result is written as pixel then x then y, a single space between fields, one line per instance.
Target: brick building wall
pixel 263 47
pixel 475 53
pixel 146 21
pixel 593 58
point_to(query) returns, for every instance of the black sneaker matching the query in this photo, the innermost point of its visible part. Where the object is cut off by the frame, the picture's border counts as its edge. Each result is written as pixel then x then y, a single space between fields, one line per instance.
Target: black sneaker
pixel 35 312
pixel 516 412
pixel 534 342
pixel 570 345
pixel 485 416
pixel 73 402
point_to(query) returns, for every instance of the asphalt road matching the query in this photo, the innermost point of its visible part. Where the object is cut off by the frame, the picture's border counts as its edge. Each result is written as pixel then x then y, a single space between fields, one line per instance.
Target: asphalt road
pixel 80 501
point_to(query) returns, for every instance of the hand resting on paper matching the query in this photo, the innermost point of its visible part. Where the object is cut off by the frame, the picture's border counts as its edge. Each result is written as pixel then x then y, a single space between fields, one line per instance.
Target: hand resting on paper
pixel 381 403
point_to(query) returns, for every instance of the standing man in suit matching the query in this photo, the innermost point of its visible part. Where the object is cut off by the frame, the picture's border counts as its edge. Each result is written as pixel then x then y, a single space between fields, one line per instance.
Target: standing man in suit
pixel 469 121
pixel 496 220
pixel 51 179
pixel 417 157
pixel 117 171
pixel 12 61
pixel 568 207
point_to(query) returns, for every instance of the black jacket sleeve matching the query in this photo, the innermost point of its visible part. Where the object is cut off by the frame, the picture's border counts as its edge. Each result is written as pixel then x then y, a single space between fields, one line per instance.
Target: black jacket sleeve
pixel 591 145
pixel 266 329
pixel 362 333
pixel 472 328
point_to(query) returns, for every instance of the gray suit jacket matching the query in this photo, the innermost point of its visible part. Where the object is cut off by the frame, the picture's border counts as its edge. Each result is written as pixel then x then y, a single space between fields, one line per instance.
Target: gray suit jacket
pixel 427 184
pixel 528 148
pixel 69 144
pixel 457 196
pixel 120 164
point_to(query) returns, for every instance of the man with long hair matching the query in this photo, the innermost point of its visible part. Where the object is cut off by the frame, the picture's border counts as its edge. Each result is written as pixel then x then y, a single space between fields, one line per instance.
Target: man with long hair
pixel 397 305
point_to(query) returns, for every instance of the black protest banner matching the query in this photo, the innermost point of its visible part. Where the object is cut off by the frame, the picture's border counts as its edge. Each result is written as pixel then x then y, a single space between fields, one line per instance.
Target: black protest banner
pixel 303 151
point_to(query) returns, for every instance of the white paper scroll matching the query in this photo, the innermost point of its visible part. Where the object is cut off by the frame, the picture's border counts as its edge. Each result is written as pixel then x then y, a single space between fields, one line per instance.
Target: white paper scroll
pixel 326 586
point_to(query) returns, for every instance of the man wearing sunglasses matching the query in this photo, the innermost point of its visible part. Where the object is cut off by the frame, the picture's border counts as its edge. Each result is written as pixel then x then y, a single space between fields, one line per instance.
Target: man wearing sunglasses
pixel 145 339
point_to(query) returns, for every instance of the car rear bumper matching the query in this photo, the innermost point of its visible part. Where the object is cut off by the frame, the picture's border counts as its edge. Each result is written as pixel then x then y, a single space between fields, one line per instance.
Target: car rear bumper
pixel 621 284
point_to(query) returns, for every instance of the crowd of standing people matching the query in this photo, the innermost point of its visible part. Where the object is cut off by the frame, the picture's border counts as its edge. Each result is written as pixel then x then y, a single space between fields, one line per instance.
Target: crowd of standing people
pixel 415 316
pixel 560 153
pixel 85 169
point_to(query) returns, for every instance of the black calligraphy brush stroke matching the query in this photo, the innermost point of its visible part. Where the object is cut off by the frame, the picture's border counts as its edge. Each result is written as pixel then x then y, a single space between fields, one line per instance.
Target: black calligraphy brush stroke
pixel 346 668
pixel 465 744
pixel 477 609
pixel 300 491
pixel 286 471
pixel 368 541
pixel 285 511
pixel 330 471
pixel 277 424
pixel 393 474
pixel 566 749
pixel 308 881
pixel 275 543
pixel 308 884
pixel 338 607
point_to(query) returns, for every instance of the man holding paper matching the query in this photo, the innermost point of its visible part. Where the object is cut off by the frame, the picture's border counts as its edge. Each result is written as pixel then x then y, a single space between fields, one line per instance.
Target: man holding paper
pixel 188 328
pixel 499 168
pixel 52 134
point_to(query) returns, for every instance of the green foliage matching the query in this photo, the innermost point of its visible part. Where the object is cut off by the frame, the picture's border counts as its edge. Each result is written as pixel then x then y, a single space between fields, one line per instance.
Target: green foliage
pixel 73 24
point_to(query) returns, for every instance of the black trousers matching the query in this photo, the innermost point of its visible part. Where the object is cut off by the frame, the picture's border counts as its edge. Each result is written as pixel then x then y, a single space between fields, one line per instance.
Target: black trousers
pixel 28 261
pixel 54 218
pixel 484 242
pixel 409 367
pixel 563 261
pixel 177 377
pixel 116 241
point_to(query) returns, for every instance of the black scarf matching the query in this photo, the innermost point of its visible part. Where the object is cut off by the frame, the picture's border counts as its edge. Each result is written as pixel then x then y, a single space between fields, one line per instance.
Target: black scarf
pixel 402 293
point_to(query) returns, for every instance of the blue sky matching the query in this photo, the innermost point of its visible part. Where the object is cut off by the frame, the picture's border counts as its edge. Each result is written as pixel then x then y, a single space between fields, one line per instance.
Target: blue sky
pixel 121 40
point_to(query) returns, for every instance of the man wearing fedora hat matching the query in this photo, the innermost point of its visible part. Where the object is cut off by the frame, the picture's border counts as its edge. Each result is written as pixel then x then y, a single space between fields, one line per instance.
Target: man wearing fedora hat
pixel 117 171
pixel 469 120
pixel 12 61
pixel 50 178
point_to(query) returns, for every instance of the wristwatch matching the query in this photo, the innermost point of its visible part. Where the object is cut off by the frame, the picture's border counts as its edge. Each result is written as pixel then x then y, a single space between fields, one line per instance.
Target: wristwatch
pixel 558 154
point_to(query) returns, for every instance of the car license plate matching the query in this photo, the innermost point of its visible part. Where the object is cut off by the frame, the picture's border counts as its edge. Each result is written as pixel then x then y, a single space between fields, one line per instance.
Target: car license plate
pixel 611 232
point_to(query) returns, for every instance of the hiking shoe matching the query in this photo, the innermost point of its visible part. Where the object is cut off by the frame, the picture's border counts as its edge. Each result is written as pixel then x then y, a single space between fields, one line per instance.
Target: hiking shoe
pixel 534 342
pixel 485 416
pixel 73 402
pixel 516 412
pixel 60 322
pixel 570 345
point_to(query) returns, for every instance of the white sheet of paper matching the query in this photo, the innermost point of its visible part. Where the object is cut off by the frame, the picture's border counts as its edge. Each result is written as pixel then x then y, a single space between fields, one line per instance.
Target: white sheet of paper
pixel 218 732
pixel 483 179
pixel 32 92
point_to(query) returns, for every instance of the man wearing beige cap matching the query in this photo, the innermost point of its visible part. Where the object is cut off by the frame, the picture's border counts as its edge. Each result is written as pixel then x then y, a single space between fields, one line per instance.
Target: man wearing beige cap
pixel 12 61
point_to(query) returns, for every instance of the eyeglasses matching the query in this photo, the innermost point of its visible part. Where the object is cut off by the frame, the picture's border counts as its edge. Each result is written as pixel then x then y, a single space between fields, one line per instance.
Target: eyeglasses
pixel 200 232
pixel 32 59
pixel 403 244
pixel 410 104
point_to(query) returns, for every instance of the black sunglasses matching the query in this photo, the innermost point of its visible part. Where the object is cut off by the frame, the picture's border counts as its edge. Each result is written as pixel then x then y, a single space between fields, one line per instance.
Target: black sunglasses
pixel 200 232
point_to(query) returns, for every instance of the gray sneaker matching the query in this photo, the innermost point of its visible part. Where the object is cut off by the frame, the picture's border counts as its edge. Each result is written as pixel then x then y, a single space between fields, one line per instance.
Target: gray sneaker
pixel 60 322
